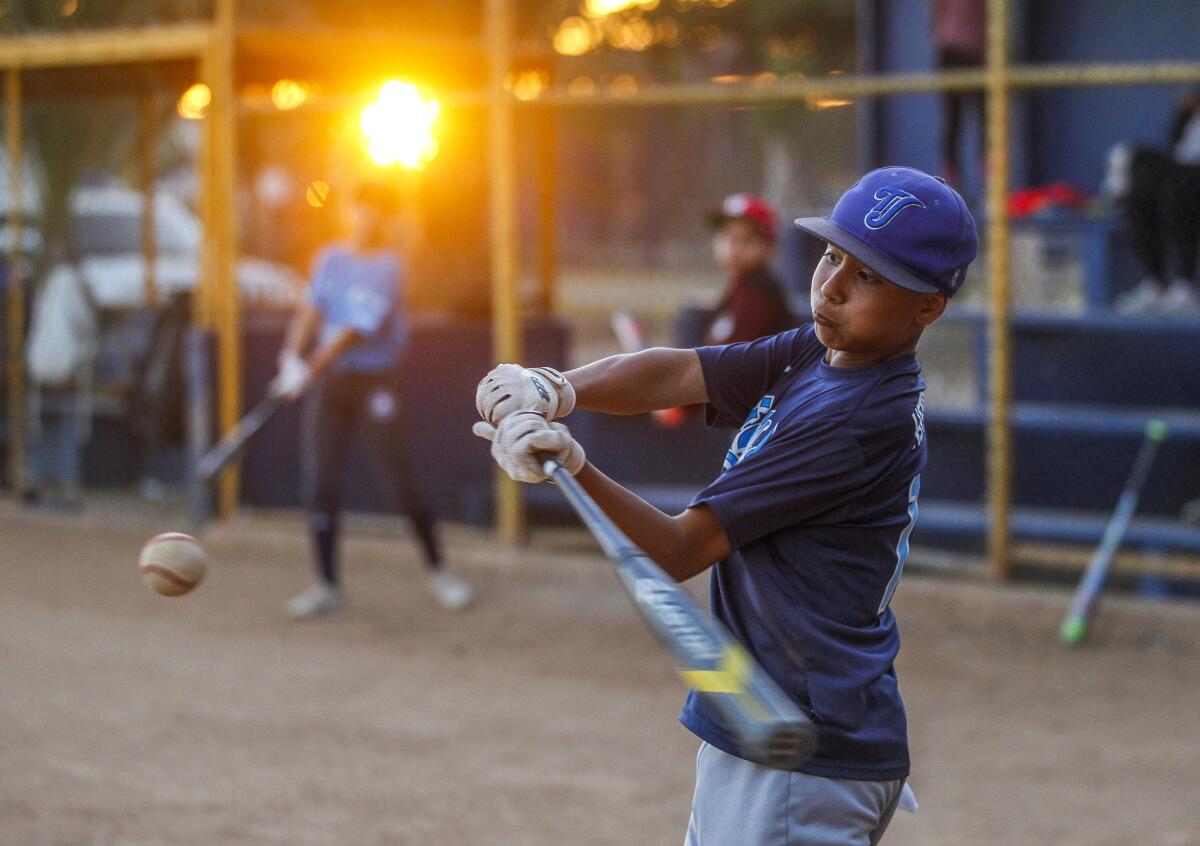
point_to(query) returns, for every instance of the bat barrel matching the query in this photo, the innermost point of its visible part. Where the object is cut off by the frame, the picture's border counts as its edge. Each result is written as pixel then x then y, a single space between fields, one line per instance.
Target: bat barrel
pixel 770 728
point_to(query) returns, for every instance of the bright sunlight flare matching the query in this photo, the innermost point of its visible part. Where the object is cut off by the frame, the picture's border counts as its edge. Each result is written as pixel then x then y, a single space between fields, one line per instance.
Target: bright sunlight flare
pixel 398 127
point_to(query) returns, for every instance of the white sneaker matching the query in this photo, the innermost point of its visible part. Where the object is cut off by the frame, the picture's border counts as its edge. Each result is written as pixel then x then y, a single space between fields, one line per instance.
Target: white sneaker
pixel 451 592
pixel 320 600
pixel 1180 298
pixel 1146 298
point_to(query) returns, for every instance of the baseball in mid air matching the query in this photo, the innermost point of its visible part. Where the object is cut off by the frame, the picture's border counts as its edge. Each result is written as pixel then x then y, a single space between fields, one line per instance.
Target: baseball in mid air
pixel 172 563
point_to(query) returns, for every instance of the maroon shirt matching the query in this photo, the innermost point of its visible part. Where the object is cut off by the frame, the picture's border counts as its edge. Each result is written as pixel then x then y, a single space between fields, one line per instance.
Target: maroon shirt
pixel 753 308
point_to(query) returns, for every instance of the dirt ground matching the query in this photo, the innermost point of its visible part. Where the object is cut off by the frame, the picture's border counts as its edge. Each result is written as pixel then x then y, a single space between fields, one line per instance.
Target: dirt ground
pixel 546 715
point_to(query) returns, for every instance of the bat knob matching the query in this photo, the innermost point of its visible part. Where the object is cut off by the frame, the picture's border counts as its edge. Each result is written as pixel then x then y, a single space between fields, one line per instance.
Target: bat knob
pixel 549 463
pixel 1072 631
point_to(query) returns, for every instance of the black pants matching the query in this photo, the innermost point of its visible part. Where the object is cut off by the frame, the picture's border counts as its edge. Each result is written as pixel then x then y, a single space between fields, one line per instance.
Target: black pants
pixel 340 407
pixel 1162 210
pixel 954 104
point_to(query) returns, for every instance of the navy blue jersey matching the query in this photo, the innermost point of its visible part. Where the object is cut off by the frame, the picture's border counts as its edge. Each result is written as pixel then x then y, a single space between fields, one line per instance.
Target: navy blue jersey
pixel 818 496
pixel 362 293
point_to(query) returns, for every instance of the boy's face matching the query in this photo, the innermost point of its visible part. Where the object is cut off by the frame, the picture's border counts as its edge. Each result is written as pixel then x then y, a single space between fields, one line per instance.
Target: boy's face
pixel 739 247
pixel 861 317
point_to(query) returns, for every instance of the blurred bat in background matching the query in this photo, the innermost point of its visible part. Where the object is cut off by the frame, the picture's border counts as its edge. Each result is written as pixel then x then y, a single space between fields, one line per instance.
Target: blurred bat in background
pixel 1075 625
pixel 235 441
pixel 631 336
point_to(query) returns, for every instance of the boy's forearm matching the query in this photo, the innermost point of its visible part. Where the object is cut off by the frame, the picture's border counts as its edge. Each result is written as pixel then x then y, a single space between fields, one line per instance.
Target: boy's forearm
pixel 683 546
pixel 636 383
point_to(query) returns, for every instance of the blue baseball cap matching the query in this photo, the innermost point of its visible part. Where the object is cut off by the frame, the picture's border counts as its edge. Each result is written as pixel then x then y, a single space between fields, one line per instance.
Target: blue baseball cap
pixel 911 228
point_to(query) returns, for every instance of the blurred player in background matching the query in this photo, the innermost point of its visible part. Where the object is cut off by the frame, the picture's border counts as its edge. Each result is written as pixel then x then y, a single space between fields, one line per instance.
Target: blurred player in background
pixel 355 309
pixel 753 304
pixel 808 523
pixel 1158 195
pixel 960 42
pixel 744 240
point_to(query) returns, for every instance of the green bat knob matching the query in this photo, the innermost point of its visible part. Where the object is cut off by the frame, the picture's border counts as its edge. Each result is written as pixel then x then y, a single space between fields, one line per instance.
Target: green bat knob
pixel 1072 631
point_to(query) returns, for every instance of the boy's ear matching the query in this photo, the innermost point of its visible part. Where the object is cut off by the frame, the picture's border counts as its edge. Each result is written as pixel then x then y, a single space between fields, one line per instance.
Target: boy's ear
pixel 930 307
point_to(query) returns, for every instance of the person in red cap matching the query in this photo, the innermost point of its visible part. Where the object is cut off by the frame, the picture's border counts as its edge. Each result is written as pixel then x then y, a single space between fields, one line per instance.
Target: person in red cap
pixel 753 305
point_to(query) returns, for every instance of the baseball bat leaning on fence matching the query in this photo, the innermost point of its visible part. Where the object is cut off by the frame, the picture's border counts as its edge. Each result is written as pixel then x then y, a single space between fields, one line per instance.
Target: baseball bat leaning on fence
pixel 771 730
pixel 1075 625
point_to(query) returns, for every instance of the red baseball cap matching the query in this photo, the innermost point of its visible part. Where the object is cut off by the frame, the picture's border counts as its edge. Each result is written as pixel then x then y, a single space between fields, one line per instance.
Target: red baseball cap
pixel 746 207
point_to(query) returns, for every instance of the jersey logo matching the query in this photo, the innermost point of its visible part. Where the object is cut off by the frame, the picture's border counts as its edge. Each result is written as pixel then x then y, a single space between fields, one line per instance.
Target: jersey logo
pixel 364 305
pixel 892 201
pixel 754 434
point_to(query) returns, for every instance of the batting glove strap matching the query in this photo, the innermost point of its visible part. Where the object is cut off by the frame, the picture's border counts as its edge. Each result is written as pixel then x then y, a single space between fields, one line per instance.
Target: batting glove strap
pixel 561 387
pixel 510 388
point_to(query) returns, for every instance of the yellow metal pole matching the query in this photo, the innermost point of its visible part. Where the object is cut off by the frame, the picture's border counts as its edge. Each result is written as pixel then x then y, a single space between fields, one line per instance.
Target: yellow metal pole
pixel 547 211
pixel 506 318
pixel 755 93
pixel 999 330
pixel 222 116
pixel 149 155
pixel 202 309
pixel 15 303
pixel 110 46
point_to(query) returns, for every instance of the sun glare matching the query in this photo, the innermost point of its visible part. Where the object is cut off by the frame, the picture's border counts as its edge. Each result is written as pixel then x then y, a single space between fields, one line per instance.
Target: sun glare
pixel 398 127
pixel 600 8
pixel 288 94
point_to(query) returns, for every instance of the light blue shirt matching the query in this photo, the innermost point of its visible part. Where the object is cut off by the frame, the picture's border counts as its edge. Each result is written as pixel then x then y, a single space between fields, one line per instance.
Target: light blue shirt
pixel 363 293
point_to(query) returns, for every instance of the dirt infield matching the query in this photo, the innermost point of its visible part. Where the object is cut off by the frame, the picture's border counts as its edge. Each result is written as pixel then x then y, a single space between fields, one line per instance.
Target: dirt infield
pixel 543 716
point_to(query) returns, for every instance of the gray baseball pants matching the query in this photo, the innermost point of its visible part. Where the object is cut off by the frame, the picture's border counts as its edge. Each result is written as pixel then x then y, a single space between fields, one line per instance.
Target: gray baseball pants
pixel 738 803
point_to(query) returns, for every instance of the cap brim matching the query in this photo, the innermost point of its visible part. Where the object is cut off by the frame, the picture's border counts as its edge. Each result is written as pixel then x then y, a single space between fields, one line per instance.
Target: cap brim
pixel 716 217
pixel 883 264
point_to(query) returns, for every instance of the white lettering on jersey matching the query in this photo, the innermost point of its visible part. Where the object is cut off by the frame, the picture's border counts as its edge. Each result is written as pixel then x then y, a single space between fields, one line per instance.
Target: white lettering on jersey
pixel 918 417
pixel 914 490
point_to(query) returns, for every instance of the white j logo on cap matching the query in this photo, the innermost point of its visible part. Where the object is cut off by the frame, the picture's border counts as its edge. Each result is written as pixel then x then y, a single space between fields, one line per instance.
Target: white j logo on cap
pixel 891 202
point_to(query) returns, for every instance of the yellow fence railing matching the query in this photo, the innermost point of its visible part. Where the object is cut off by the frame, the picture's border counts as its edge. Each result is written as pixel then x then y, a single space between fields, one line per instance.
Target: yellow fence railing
pixel 215 46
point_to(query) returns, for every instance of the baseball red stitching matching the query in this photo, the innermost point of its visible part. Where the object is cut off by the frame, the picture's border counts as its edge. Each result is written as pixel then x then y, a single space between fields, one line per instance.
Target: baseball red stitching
pixel 170 576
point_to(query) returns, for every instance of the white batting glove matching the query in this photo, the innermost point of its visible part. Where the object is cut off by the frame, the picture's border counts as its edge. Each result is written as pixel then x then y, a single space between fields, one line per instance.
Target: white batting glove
pixel 292 379
pixel 524 440
pixel 510 388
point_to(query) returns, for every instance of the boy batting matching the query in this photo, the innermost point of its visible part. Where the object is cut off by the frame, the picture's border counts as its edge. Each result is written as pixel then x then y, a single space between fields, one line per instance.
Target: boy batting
pixel 806 528
pixel 355 314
